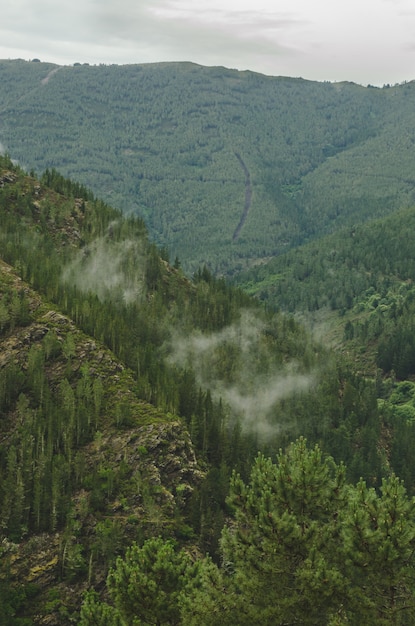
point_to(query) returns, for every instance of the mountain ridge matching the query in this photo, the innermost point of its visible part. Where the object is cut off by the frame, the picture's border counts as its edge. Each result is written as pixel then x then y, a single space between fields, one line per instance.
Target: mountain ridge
pixel 159 140
pixel 45 362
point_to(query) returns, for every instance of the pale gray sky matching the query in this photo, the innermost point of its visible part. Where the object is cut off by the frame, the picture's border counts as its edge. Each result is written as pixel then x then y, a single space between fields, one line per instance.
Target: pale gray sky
pixel 365 41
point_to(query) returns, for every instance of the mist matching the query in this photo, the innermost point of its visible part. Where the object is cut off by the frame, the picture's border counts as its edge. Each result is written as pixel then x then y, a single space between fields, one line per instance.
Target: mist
pixel 245 365
pixel 111 270
pixel 241 366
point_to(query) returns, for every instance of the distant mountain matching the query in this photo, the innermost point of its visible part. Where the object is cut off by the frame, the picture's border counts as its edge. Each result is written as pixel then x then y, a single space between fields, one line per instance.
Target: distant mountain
pixel 226 168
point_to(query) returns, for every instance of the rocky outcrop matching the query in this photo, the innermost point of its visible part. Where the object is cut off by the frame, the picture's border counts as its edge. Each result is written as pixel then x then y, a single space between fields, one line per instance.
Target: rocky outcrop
pixel 7 177
pixel 140 464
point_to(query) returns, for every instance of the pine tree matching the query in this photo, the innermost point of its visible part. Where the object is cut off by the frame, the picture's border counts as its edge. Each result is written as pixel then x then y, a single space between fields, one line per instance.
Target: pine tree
pixel 378 539
pixel 280 546
pixel 302 547
pixel 145 587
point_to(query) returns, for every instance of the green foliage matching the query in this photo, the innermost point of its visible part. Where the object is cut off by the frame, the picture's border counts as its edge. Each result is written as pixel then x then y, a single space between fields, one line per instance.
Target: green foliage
pixel 379 537
pixel 242 379
pixel 12 600
pixel 193 350
pixel 356 287
pixel 95 613
pixel 179 144
pixel 285 524
pixel 145 587
pixel 13 596
pixel 366 267
pixel 302 547
pixel 14 310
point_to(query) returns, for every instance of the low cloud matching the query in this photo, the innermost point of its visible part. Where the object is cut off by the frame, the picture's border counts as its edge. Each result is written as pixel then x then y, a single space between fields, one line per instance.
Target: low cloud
pixel 240 364
pixel 108 269
pixel 243 369
pixel 254 409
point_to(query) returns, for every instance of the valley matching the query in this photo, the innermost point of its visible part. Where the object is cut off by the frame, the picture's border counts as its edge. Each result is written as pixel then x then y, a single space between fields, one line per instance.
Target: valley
pixel 226 438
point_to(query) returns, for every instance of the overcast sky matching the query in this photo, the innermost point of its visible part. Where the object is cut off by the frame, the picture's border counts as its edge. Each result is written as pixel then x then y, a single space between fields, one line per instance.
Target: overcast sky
pixel 365 41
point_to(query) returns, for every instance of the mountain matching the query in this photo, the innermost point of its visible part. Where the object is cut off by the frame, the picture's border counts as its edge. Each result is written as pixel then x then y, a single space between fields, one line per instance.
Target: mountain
pixel 73 430
pixel 357 284
pixel 226 168
pixel 130 395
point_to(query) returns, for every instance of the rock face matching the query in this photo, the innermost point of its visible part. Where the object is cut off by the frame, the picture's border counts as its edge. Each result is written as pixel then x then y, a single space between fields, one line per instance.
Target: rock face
pixel 7 177
pixel 133 477
pixel 160 472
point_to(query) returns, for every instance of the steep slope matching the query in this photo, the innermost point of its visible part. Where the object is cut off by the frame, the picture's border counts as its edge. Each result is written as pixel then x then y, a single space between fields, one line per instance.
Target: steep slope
pixel 166 141
pixel 86 466
pixel 116 371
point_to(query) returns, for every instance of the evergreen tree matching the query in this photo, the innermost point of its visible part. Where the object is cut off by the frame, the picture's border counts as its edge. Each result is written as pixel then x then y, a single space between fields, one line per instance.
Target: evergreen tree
pixel 304 547
pixel 145 587
pixel 279 547
pixel 378 539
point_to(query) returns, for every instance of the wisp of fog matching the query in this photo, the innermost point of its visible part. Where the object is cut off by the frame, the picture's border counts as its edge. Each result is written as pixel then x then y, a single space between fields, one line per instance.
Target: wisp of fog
pixel 234 364
pixel 103 268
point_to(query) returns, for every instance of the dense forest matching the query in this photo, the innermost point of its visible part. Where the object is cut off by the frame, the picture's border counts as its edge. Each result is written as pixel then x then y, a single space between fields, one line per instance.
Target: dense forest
pixel 226 168
pixel 161 432
pixel 359 281
pixel 303 548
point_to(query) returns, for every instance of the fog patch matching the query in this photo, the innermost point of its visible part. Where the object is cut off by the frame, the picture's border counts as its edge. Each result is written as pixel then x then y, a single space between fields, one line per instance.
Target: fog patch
pixel 240 366
pixel 255 407
pixel 110 270
pixel 198 346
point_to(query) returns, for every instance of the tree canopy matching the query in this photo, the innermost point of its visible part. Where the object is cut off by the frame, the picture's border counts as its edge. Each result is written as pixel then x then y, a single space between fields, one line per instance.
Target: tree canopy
pixel 302 546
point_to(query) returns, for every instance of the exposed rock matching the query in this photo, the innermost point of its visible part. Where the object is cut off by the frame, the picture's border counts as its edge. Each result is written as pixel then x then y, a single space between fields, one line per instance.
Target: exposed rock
pixel 7 177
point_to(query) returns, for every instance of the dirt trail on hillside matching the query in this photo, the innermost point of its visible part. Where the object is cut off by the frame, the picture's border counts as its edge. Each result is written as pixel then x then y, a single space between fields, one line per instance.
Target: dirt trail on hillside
pixel 248 198
pixel 45 80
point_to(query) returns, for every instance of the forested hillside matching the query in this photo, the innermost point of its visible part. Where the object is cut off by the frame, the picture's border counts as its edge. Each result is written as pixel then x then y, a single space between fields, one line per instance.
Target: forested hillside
pixel 359 282
pixel 134 402
pixel 226 168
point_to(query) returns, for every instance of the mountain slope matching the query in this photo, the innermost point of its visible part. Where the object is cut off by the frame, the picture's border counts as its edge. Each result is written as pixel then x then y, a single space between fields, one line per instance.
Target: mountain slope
pixel 86 466
pixel 177 143
pixel 87 463
pixel 359 281
pixel 117 372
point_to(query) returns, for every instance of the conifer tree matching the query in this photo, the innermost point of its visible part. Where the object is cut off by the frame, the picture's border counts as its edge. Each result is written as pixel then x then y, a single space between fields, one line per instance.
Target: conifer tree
pixel 145 587
pixel 303 547
pixel 279 547
pixel 378 539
